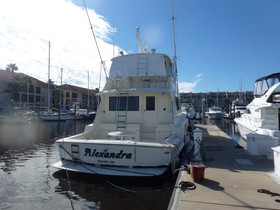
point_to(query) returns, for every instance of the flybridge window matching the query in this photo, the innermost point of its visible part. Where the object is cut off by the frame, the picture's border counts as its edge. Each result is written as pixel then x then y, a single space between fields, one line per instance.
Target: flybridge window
pixel 150 103
pixel 146 83
pixel 122 103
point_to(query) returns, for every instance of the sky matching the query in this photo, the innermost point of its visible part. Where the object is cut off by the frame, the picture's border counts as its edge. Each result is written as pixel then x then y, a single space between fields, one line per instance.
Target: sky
pixel 221 45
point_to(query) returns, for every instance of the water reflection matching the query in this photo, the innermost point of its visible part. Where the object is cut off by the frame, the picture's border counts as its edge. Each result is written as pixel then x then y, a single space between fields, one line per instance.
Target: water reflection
pixel 27 152
pixel 115 193
pixel 17 136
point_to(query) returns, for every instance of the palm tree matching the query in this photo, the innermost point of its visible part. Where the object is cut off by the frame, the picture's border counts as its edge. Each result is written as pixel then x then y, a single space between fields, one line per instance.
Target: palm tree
pixel 12 67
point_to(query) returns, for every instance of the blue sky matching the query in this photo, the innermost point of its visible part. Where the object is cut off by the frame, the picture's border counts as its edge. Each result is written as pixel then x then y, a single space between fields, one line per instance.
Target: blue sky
pixel 222 45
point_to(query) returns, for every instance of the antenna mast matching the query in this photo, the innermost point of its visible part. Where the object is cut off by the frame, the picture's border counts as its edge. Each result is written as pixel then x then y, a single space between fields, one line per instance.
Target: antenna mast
pixel 174 41
pixel 140 49
pixel 174 48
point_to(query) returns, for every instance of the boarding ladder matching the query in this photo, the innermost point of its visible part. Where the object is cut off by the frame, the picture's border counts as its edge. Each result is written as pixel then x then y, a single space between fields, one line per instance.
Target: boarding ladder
pixel 142 65
pixel 121 110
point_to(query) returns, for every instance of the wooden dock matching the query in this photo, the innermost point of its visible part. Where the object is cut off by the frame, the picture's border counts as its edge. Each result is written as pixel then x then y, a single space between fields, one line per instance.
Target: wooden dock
pixel 233 179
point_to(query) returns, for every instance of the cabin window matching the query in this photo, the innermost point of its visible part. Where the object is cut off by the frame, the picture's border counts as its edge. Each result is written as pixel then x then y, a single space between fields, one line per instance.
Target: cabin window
pixel 247 111
pixel 122 103
pixel 150 103
pixel 177 103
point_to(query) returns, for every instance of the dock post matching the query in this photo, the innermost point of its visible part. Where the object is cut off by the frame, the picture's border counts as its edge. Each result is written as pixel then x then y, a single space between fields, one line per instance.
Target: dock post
pixel 197 137
pixel 203 111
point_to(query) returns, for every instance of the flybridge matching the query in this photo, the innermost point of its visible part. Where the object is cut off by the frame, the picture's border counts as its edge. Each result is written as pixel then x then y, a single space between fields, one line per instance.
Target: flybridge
pixel 150 64
pixel 264 83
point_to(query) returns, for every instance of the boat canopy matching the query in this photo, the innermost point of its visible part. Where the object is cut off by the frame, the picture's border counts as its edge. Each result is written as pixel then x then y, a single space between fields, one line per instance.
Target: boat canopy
pixel 146 64
pixel 264 83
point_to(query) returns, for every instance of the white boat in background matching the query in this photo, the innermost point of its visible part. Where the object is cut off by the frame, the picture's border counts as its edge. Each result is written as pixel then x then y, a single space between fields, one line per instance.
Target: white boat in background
pixel 139 128
pixel 259 125
pixel 237 108
pixel 55 116
pixel 72 114
pixel 60 114
pixel 235 111
pixel 215 112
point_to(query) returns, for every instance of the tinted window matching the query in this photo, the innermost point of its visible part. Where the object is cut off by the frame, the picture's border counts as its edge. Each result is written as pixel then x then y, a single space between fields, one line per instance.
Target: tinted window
pixel 150 103
pixel 119 103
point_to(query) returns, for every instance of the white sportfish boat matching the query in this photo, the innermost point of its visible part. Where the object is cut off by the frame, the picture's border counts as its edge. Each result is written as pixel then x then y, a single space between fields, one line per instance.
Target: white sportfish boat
pixel 139 128
pixel 259 125
pixel 215 112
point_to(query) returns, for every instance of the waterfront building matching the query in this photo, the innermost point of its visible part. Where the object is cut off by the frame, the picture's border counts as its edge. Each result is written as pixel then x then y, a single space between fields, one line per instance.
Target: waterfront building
pixel 221 99
pixel 26 92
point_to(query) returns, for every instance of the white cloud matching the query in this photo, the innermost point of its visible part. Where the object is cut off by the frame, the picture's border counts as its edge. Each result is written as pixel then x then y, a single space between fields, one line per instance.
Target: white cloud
pixel 28 26
pixel 185 87
pixel 198 76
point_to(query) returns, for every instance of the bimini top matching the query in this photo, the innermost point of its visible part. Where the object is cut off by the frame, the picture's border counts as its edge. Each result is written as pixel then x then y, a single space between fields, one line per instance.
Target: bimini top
pixel 264 83
pixel 146 64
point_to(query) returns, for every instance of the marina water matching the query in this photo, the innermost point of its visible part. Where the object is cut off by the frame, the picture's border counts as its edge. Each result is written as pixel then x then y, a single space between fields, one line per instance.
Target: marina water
pixel 28 180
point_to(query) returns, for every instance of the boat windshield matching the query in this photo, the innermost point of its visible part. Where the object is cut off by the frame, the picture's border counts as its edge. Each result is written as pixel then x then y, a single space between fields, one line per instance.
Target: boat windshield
pixel 264 83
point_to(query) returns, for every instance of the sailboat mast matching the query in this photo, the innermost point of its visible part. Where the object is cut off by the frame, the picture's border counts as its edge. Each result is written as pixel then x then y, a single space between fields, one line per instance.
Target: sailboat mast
pixel 60 92
pixel 49 62
pixel 88 95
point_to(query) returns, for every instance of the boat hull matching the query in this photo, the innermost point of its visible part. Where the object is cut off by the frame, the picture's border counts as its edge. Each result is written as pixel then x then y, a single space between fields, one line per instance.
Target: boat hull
pixel 110 170
pixel 257 143
pixel 118 157
pixel 247 132
pixel 243 130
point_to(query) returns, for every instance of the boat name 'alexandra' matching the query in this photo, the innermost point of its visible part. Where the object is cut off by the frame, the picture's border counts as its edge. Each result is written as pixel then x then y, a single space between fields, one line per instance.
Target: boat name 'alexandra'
pixel 106 154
